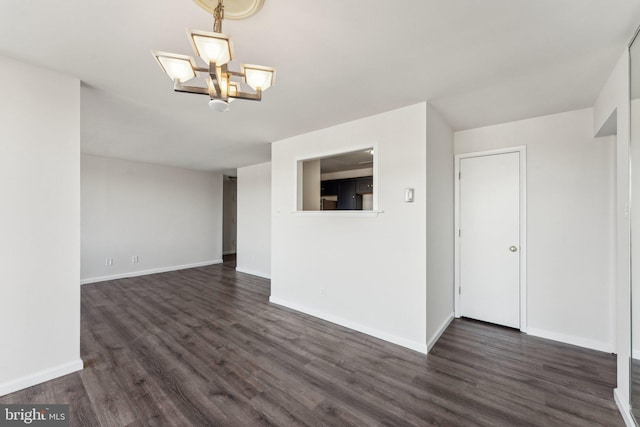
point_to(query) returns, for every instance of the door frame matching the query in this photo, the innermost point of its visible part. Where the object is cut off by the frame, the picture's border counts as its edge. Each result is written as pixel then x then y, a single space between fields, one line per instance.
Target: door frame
pixel 522 150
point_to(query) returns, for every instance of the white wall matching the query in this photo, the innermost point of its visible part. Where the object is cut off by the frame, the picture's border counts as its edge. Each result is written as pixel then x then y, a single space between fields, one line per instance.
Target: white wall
pixel 635 226
pixel 254 220
pixel 569 289
pixel 311 185
pixel 169 217
pixel 614 98
pixel 361 270
pixel 229 216
pixel 39 225
pixel 440 225
pixel 622 235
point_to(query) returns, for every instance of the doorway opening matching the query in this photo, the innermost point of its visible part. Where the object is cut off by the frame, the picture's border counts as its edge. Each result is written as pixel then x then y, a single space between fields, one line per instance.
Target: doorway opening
pixel 229 219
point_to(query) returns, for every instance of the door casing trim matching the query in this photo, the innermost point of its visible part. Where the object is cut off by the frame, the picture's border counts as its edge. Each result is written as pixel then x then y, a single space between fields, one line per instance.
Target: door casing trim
pixel 522 150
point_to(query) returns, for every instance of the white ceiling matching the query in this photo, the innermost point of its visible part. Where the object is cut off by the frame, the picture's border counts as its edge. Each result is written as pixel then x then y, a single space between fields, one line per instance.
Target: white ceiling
pixel 478 62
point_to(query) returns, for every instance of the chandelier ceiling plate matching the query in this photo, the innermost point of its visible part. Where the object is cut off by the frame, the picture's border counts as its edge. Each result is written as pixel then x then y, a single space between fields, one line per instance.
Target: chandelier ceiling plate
pixel 233 9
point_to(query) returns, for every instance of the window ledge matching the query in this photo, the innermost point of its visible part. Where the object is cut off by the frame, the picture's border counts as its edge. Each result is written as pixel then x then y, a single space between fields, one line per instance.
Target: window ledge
pixel 339 213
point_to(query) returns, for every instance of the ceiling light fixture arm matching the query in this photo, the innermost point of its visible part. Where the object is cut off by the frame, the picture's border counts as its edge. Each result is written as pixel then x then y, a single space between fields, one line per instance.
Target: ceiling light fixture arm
pixel 218 84
pixel 179 87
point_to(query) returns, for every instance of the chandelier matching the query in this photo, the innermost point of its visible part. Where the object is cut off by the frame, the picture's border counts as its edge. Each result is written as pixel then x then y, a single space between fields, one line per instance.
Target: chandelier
pixel 222 84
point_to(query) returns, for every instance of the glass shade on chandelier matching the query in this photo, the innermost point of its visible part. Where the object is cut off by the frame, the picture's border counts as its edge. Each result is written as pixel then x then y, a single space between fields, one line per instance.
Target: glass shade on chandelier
pixel 177 67
pixel 211 47
pixel 258 77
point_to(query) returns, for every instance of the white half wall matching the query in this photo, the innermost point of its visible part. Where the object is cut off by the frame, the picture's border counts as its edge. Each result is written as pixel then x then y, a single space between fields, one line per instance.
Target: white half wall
pixel 39 225
pixel 254 220
pixel 170 218
pixel 362 270
pixel 569 223
pixel 440 225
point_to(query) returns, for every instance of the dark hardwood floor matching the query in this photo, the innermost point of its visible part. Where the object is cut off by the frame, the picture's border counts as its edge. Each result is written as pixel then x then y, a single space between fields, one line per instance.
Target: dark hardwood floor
pixel 204 347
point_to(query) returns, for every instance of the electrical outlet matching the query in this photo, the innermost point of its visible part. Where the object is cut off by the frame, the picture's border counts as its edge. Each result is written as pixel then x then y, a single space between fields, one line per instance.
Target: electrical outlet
pixel 109 262
pixel 323 291
pixel 134 259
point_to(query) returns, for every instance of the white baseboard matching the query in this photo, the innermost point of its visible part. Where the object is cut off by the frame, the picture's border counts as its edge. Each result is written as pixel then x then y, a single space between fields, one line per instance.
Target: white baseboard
pixel 443 327
pixel 413 345
pixel 40 377
pixel 568 339
pixel 253 272
pixel 146 272
pixel 624 408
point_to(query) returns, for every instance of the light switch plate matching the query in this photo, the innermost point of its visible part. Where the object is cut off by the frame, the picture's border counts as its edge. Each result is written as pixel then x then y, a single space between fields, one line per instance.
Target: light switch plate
pixel 408 195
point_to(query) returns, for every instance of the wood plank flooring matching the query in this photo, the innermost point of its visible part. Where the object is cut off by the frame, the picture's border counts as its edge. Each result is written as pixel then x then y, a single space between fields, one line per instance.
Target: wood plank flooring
pixel 204 347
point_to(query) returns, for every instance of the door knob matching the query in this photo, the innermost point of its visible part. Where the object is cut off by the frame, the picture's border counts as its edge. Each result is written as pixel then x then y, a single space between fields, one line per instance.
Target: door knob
pixel 513 248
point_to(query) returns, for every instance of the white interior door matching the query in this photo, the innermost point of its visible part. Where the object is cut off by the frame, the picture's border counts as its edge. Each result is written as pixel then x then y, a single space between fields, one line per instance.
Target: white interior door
pixel 489 238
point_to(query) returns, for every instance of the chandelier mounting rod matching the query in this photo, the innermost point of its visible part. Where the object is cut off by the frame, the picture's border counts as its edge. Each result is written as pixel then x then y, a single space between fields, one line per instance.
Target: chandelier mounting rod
pixel 218 16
